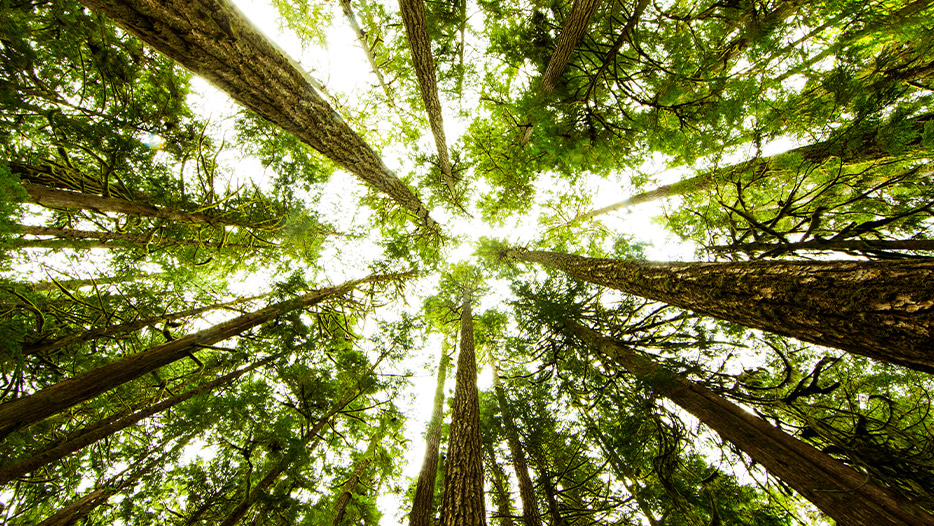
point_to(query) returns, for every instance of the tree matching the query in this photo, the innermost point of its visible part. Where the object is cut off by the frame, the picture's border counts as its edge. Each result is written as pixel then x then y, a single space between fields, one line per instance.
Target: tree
pixel 425 487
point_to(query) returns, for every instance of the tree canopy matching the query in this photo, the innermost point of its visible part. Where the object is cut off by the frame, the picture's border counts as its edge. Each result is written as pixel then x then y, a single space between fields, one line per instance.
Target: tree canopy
pixel 510 262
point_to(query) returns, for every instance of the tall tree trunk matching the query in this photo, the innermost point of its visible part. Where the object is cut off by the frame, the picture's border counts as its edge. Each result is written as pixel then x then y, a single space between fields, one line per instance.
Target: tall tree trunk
pixel 416 28
pixel 213 39
pixel 55 198
pixel 113 330
pixel 83 239
pixel 75 284
pixel 499 486
pixel 462 503
pixel 421 513
pixel 530 513
pixel 107 427
pixel 842 493
pixel 42 404
pixel 880 309
pixel 857 149
pixel 571 33
pixel 276 471
pixel 359 469
pixel 842 245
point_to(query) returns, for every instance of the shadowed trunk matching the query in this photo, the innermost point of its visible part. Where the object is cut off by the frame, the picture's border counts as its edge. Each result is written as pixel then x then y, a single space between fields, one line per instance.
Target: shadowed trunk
pixel 105 428
pixel 359 469
pixel 880 309
pixel 74 284
pixel 425 487
pixel 56 398
pixel 842 493
pixel 214 40
pixel 462 503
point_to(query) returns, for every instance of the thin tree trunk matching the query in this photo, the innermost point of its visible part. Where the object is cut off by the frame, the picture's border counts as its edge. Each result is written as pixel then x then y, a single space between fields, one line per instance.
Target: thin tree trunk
pixel 416 28
pixel 113 330
pixel 421 513
pixel 880 309
pixel 361 39
pixel 462 503
pixel 844 494
pixel 42 404
pixel 530 513
pixel 107 427
pixel 571 33
pixel 502 498
pixel 863 148
pixel 75 284
pixel 842 245
pixel 273 475
pixel 213 39
pixel 55 198
pixel 83 239
pixel 359 469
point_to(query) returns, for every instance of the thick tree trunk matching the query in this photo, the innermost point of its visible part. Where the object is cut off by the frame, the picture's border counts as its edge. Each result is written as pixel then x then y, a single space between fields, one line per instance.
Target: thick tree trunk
pixel 421 513
pixel 416 28
pixel 114 330
pixel 862 148
pixel 91 434
pixel 842 245
pixel 55 198
pixel 842 493
pixel 40 405
pixel 462 503
pixel 880 309
pixel 359 469
pixel 571 33
pixel 75 284
pixel 213 39
pixel 530 513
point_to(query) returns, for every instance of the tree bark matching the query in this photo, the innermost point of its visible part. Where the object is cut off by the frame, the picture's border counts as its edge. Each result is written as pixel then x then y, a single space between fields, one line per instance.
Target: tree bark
pixel 113 330
pixel 880 309
pixel 42 404
pixel 213 39
pixel 359 469
pixel 416 28
pixel 530 513
pixel 421 513
pixel 571 33
pixel 107 427
pixel 844 494
pixel 462 503
pixel 862 148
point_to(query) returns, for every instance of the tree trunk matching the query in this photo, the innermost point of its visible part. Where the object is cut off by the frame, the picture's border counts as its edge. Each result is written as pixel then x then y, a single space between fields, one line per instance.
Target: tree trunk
pixel 574 27
pixel 213 39
pixel 862 148
pixel 113 330
pixel 359 469
pixel 85 239
pixel 42 404
pixel 273 475
pixel 530 513
pixel 361 39
pixel 421 513
pixel 462 503
pixel 880 309
pixel 107 427
pixel 416 28
pixel 75 284
pixel 842 245
pixel 842 493
pixel 55 198
pixel 501 496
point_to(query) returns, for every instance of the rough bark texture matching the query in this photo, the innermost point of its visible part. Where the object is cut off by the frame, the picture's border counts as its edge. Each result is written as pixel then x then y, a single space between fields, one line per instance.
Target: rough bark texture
pixel 530 513
pixel 880 309
pixel 213 39
pixel 359 469
pixel 96 333
pixel 462 503
pixel 108 427
pixel 862 148
pixel 421 513
pixel 416 28
pixel 56 398
pixel 842 493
